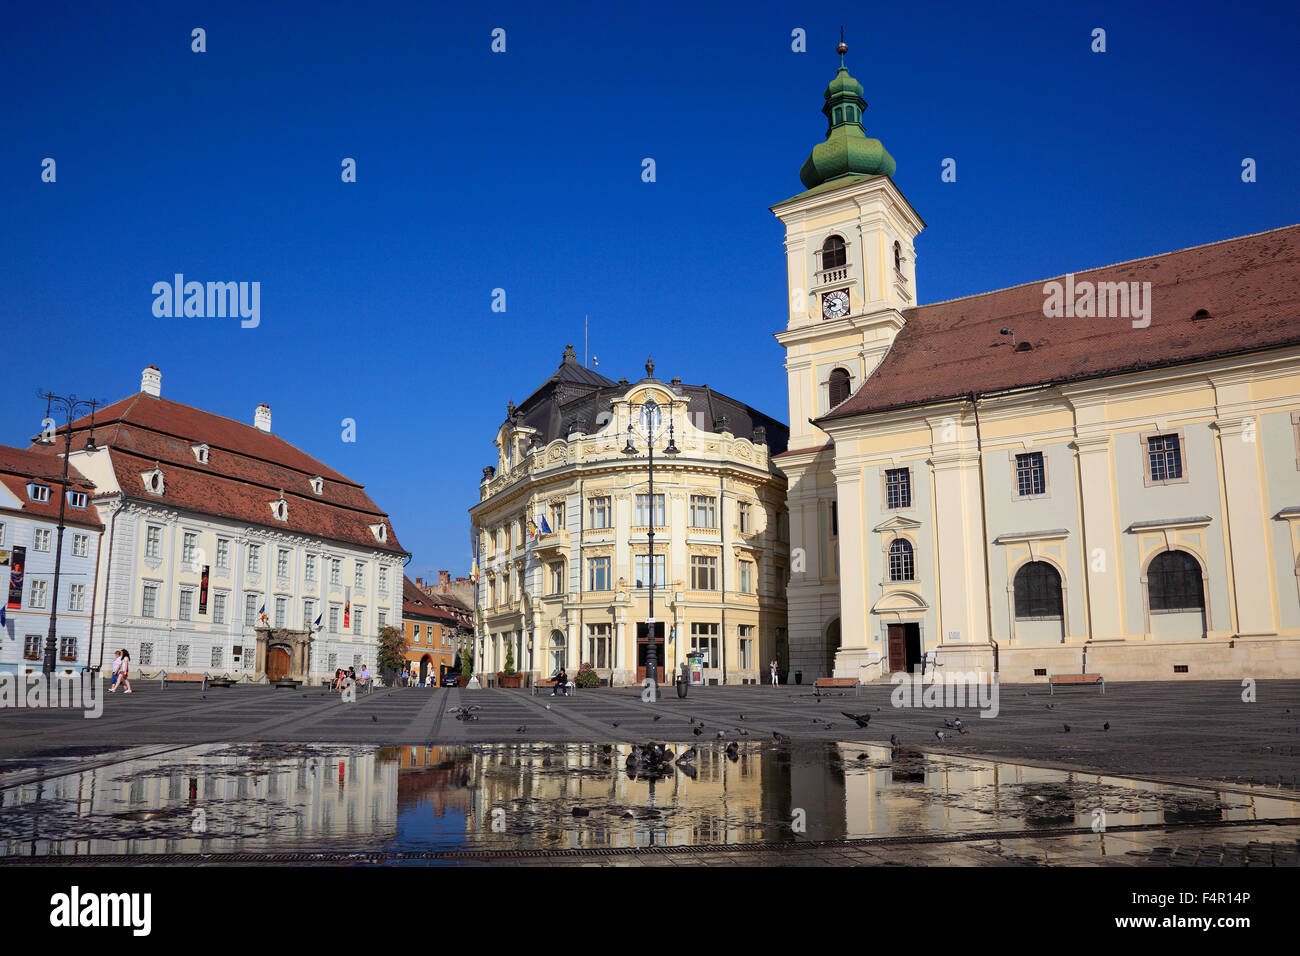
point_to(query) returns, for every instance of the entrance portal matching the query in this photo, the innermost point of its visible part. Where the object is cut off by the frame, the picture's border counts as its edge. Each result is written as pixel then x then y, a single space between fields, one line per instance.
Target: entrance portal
pixel 904 646
pixel 277 662
pixel 643 650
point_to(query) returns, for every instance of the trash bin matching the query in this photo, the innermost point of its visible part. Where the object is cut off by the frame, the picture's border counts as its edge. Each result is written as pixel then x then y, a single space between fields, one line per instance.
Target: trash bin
pixel 798 677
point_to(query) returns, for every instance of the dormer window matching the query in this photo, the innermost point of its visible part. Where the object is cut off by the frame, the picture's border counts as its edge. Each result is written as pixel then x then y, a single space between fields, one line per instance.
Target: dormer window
pixel 834 253
pixel 280 509
pixel 153 481
pixel 380 531
pixel 39 493
pixel 76 499
pixel 318 485
pixel 200 453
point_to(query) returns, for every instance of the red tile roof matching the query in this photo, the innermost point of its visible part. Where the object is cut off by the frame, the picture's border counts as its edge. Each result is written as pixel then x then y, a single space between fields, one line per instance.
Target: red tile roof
pixel 415 603
pixel 246 470
pixel 18 466
pixel 1250 286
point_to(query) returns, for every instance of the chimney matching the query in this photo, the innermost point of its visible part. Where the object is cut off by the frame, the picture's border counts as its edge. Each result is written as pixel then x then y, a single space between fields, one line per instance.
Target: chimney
pixel 151 381
pixel 262 418
pixel 444 581
pixel 419 583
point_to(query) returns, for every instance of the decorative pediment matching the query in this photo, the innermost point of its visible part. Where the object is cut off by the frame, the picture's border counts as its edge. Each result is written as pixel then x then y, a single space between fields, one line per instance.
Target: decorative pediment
pixel 899 601
pixel 897 523
pixel 1020 537
pixel 1169 524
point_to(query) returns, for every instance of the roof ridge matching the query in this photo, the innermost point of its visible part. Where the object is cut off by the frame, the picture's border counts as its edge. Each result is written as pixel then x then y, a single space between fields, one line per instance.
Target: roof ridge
pixel 1122 262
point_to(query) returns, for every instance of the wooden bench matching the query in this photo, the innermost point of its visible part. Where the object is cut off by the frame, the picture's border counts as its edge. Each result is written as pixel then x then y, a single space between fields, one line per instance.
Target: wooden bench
pixel 184 679
pixel 550 685
pixel 821 682
pixel 1055 679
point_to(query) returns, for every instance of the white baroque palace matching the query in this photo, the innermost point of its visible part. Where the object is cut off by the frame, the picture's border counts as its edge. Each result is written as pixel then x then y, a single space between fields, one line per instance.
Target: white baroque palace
pixel 577 592
pixel 224 545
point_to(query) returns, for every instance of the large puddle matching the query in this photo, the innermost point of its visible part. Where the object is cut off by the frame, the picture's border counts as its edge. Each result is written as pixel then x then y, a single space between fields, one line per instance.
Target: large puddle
pixel 232 798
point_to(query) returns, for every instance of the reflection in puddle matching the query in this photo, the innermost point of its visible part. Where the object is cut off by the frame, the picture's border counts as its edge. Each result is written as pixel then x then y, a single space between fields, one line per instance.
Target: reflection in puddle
pixel 223 798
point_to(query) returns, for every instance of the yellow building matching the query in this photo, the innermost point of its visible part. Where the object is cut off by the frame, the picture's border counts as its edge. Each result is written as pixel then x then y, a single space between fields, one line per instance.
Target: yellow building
pixel 1095 472
pixel 430 632
pixel 578 589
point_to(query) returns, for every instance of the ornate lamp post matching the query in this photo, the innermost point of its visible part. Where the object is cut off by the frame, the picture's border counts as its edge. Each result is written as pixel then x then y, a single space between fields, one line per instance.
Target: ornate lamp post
pixel 650 418
pixel 71 405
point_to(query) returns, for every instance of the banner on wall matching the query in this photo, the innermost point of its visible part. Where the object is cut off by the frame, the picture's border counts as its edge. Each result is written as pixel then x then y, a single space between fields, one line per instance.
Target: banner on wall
pixel 203 590
pixel 17 564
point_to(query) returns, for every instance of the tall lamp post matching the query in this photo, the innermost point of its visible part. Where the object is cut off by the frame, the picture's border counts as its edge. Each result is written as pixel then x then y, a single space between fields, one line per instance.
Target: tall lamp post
pixel 71 405
pixel 650 415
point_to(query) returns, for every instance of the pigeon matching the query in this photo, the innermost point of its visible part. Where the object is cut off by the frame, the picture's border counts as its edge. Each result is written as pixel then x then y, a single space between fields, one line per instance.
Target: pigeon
pixel 658 717
pixel 522 729
pixel 777 738
pixel 697 731
pixel 957 723
pixel 688 755
pixel 939 734
pixel 962 730
pixel 721 734
pixel 1051 707
pixel 816 720
pixel 614 722
pixel 1106 725
pixel 742 716
pixel 894 742
pixel 860 719
pixel 1067 728
pixel 733 750
pixel 606 748
pixel 950 725
pixel 862 756
pixel 743 732
pixel 374 718
pixel 548 706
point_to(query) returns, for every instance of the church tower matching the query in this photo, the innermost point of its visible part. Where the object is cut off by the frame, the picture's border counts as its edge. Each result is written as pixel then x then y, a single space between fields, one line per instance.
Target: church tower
pixel 851 271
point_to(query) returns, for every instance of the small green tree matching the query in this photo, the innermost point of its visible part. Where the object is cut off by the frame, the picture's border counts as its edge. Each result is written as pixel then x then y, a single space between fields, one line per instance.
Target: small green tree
pixel 510 657
pixel 392 648
pixel 466 662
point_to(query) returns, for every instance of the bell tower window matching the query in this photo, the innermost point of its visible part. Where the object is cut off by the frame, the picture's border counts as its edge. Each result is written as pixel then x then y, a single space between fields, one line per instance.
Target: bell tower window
pixel 834 254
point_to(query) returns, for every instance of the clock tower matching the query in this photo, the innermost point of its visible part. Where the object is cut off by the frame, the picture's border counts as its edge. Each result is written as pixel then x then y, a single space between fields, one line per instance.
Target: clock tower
pixel 851 271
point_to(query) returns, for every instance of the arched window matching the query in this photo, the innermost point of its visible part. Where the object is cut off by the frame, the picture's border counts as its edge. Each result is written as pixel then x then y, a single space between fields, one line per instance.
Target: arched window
pixel 840 386
pixel 1174 583
pixel 834 254
pixel 901 565
pixel 557 650
pixel 1038 592
pixel 898 257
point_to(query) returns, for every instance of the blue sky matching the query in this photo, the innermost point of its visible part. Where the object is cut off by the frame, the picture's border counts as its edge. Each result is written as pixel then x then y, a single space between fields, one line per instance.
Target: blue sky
pixel 522 171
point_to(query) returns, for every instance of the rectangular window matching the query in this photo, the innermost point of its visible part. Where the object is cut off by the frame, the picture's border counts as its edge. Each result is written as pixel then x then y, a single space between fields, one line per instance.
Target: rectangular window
pixel 598 569
pixel 1031 475
pixel 309 614
pixel 704 511
pixel 336 572
pixel 254 559
pixel 185 607
pixel 309 569
pixel 334 618
pixel 558 584
pixel 2 534
pixel 281 612
pixel 182 655
pixel 77 499
pixel 32 647
pixel 77 597
pixel 149 601
pixel 223 554
pixel 359 577
pixel 641 565
pixel 599 512
pixel 219 608
pixel 358 618
pixel 643 511
pixel 1164 458
pixel 81 545
pixel 217 656
pixel 41 539
pixel 38 595
pixel 598 646
pixel 383 580
pixel 835 520
pixel 746 635
pixel 704 640
pixel 746 577
pixel 746 517
pixel 704 573
pixel 189 543
pixel 282 563
pixel 898 488
pixel 67 648
pixel 383 619
pixel 250 610
pixel 40 493
pixel 557 516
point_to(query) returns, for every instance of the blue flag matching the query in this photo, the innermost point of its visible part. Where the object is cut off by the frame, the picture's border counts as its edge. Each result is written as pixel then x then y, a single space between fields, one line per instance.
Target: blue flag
pixel 546 528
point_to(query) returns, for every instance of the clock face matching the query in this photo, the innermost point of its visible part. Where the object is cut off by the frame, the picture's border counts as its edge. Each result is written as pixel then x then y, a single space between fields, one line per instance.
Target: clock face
pixel 835 304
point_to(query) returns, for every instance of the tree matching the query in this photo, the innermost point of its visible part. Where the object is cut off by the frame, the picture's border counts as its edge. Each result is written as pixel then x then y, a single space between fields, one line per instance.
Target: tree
pixel 392 648
pixel 510 657
pixel 466 659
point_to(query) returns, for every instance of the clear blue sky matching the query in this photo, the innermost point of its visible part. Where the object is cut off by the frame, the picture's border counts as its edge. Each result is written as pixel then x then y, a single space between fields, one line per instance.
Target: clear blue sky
pixel 522 171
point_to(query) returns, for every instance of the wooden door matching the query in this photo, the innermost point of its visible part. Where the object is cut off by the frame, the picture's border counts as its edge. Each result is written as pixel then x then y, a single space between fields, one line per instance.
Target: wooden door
pixel 277 663
pixel 897 647
pixel 643 651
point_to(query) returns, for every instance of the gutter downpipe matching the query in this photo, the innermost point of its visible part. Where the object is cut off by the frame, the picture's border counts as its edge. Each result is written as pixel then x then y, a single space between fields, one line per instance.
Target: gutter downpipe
pixel 108 576
pixel 984 546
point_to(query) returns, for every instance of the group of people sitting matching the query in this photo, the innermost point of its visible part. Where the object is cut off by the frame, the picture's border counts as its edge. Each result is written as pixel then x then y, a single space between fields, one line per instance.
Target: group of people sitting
pixel 347 677
pixel 410 677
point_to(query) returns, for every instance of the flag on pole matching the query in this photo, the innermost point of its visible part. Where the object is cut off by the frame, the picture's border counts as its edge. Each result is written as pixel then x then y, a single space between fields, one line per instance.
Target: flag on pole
pixel 532 528
pixel 261 615
pixel 317 626
pixel 546 528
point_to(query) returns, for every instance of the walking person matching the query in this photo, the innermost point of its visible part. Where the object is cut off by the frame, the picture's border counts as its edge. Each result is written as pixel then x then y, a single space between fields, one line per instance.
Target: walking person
pixel 117 672
pixel 124 675
pixel 772 667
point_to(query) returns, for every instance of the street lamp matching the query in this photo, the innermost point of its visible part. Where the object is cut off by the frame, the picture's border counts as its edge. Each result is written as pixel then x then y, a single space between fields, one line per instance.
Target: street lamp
pixel 651 414
pixel 70 405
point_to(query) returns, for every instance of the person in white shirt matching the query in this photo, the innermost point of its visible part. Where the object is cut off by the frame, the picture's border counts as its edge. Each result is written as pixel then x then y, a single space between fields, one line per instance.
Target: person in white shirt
pixel 773 668
pixel 117 672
